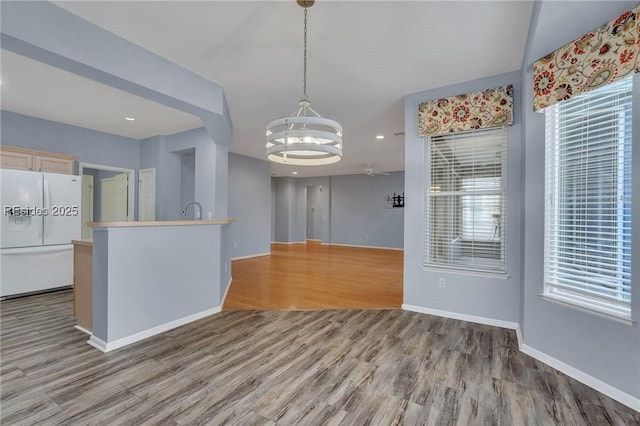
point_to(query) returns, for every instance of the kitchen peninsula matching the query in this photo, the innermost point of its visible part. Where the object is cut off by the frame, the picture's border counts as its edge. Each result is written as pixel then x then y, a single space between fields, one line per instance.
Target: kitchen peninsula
pixel 149 277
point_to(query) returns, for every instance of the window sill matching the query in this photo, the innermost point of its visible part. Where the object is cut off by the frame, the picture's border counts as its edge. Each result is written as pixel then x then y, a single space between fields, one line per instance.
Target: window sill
pixel 461 271
pixel 587 308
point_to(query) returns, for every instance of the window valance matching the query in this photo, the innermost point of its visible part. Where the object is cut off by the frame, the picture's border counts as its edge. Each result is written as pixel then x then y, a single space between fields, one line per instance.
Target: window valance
pixel 476 110
pixel 598 58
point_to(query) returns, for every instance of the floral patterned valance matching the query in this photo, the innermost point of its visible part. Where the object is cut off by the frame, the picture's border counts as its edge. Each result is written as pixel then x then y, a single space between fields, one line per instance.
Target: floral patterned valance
pixel 598 58
pixel 477 110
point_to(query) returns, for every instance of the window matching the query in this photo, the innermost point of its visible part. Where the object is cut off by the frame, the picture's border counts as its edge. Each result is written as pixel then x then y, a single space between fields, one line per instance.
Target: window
pixel 465 201
pixel 588 200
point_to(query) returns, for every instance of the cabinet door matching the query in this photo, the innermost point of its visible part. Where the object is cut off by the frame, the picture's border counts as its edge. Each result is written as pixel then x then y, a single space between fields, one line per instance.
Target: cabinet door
pixel 16 160
pixel 47 164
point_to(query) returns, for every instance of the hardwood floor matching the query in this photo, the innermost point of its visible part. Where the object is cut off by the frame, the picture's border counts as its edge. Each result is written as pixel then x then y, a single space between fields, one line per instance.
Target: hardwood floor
pixel 313 276
pixel 332 367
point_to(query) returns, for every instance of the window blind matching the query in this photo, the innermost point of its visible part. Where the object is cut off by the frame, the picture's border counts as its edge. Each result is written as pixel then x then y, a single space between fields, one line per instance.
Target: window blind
pixel 588 205
pixel 465 200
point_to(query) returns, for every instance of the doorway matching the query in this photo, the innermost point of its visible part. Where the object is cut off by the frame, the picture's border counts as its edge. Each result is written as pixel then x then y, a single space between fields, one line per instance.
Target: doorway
pixel 93 176
pixel 314 213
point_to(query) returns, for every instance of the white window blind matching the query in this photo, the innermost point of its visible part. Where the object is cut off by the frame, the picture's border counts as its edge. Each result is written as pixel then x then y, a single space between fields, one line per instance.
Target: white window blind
pixel 588 205
pixel 465 201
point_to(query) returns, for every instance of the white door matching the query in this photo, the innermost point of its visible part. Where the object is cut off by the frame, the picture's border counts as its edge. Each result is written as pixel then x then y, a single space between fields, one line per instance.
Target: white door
pixel 114 198
pixel 147 194
pixel 87 205
pixel 62 199
pixel 22 208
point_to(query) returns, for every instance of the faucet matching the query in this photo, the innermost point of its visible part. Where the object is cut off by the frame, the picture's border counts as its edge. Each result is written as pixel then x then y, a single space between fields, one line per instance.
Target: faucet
pixel 198 211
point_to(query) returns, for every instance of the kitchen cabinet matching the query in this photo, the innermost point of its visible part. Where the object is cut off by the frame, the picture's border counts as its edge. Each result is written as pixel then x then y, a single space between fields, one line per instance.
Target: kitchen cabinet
pixel 83 284
pixel 39 161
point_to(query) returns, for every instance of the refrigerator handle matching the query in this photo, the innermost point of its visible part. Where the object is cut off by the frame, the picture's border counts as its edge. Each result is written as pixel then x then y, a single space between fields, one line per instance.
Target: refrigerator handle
pixel 47 206
pixel 41 183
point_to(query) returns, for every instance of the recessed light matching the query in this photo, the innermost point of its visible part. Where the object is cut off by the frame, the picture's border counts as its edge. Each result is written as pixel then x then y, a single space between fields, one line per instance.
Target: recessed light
pixel 130 118
pixel 294 173
pixel 380 137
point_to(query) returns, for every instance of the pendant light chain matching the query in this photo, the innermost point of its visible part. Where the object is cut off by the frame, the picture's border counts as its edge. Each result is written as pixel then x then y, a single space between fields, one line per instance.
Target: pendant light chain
pixel 304 82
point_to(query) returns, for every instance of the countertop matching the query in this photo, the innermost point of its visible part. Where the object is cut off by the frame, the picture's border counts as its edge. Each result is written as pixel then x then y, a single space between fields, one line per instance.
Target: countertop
pixel 161 223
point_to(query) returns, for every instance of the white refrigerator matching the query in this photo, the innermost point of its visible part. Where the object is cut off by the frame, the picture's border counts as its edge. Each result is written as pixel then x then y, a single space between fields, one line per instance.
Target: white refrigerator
pixel 40 217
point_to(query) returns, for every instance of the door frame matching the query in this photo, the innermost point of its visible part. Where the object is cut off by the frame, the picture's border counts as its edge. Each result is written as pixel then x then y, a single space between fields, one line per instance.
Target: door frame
pixel 85 231
pixel 131 184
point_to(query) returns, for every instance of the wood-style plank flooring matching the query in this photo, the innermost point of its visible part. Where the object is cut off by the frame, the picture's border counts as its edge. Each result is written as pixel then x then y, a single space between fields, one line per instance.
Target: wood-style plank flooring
pixel 314 276
pixel 332 367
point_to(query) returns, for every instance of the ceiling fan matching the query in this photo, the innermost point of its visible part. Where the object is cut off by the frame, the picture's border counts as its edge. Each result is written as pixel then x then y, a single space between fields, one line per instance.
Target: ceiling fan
pixel 370 171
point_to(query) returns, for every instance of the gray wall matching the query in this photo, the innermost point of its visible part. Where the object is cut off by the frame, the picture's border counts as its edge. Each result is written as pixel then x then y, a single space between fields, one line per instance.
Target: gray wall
pixel 285 209
pixel 89 146
pixel 150 282
pixel 164 153
pixel 351 210
pixel 359 213
pixel 602 348
pixel 484 296
pixel 249 205
pixel 188 181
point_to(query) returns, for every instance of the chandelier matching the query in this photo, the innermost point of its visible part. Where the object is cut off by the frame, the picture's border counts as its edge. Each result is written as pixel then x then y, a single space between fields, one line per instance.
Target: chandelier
pixel 305 138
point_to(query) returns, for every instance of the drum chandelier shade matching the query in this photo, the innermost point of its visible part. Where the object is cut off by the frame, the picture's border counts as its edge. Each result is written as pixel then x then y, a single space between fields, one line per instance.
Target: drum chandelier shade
pixel 305 138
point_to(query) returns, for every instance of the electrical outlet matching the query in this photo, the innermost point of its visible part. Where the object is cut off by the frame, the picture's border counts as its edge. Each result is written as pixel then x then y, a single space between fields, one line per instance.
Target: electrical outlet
pixel 442 282
pixel 235 244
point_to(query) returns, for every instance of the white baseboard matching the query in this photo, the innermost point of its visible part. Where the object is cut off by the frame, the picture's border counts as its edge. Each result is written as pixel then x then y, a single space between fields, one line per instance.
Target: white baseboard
pixel 587 379
pixel 290 242
pixel 579 375
pixel 359 246
pixel 136 337
pixel 99 344
pixel 251 256
pixel 465 317
pixel 84 330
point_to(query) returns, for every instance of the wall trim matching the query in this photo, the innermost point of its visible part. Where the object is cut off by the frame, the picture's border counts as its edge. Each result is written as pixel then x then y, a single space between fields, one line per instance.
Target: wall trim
pixel 579 375
pixel 361 246
pixel 290 242
pixel 587 379
pixel 136 337
pixel 464 317
pixel 251 256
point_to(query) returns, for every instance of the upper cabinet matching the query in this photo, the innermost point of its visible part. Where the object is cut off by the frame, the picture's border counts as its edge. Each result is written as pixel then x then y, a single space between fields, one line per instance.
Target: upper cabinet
pixel 39 161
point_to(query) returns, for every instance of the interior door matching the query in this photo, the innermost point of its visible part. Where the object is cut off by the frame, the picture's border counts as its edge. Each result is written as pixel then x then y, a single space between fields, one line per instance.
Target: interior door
pixel 147 194
pixel 87 205
pixel 114 198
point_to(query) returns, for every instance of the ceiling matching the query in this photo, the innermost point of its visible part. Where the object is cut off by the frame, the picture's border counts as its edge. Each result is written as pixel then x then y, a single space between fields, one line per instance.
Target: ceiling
pixel 364 56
